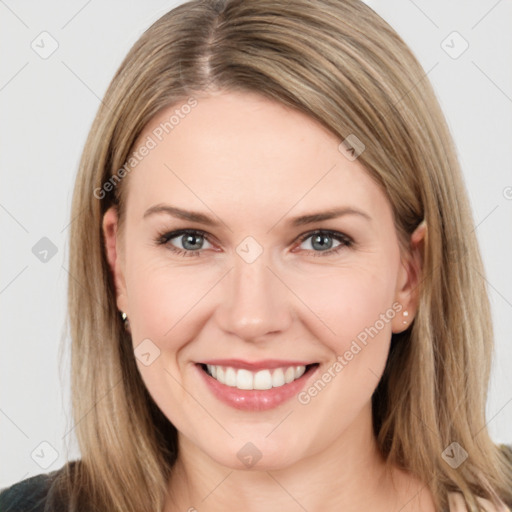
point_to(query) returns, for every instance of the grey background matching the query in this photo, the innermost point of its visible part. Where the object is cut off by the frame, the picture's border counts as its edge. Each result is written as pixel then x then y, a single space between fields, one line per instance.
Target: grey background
pixel 47 108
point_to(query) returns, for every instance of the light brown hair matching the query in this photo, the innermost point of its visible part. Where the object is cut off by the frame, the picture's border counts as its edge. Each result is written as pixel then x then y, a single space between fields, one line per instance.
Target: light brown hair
pixel 342 64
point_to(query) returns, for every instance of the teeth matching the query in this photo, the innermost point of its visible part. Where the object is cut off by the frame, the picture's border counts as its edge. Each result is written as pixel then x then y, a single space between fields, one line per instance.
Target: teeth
pixel 230 377
pixel 289 374
pixel 263 379
pixel 244 379
pixel 278 378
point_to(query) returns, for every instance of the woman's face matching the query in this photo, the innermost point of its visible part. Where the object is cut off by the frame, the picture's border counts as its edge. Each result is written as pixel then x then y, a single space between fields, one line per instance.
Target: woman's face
pixel 256 289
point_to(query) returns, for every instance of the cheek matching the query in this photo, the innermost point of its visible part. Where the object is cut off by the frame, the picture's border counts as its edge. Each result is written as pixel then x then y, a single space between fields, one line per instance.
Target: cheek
pixel 166 307
pixel 349 302
pixel 163 299
pixel 356 307
pixel 339 304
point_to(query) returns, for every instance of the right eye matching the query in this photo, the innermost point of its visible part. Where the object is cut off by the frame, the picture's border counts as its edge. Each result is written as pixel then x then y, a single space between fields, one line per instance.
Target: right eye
pixel 191 241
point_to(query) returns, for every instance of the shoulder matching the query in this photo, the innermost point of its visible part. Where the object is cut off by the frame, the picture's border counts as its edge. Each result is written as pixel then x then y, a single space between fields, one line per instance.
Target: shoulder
pixel 457 504
pixel 456 499
pixel 30 495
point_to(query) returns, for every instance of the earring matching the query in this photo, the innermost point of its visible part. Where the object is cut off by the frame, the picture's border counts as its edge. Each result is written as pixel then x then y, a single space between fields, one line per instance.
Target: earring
pixel 126 322
pixel 406 314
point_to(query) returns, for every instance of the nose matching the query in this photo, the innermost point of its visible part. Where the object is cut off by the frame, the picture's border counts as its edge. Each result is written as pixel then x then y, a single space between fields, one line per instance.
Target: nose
pixel 255 302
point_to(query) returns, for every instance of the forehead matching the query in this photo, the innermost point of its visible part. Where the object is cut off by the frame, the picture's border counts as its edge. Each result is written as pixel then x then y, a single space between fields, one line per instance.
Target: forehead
pixel 235 150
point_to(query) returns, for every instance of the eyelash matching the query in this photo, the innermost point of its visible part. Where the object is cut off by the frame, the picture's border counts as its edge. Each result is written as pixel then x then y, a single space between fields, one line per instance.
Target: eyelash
pixel 164 238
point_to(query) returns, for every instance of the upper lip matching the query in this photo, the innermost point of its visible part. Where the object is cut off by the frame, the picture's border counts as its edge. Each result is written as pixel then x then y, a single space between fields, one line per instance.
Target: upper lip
pixel 256 365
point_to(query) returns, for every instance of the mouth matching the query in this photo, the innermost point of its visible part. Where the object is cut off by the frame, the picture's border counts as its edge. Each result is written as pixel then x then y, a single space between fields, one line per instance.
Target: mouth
pixel 244 379
pixel 257 389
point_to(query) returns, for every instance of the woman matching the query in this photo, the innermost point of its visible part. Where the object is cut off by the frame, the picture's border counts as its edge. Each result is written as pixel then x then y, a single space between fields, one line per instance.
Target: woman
pixel 325 342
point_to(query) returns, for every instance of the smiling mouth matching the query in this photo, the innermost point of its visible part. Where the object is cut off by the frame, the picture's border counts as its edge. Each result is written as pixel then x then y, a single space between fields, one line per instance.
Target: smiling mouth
pixel 244 379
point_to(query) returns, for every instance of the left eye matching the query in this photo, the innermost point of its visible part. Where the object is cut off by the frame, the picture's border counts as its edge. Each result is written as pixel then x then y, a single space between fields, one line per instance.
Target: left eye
pixel 322 241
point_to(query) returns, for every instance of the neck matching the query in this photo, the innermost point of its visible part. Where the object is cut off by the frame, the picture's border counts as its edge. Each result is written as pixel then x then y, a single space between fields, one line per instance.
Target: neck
pixel 350 475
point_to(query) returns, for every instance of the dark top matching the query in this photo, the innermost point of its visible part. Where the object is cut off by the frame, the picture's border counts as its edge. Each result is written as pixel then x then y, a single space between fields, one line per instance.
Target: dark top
pixel 34 494
pixel 30 495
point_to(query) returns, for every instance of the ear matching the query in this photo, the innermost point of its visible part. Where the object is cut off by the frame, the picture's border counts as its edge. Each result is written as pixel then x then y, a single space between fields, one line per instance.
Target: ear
pixel 409 277
pixel 115 256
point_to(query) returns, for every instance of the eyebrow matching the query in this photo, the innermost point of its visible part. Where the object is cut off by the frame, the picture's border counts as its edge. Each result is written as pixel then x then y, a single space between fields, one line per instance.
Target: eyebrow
pixel 301 220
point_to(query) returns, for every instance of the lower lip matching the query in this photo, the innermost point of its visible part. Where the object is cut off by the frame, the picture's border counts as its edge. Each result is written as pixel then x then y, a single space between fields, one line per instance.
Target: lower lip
pixel 255 399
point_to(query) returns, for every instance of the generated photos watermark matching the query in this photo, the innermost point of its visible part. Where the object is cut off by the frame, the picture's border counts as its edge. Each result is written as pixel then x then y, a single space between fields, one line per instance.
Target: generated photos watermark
pixel 361 341
pixel 151 142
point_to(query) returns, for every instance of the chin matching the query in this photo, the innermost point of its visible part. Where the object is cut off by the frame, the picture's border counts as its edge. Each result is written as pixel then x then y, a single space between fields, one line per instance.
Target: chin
pixel 258 454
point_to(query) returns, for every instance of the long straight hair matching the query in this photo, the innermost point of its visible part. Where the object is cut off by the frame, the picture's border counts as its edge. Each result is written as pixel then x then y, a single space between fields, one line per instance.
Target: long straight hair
pixel 340 63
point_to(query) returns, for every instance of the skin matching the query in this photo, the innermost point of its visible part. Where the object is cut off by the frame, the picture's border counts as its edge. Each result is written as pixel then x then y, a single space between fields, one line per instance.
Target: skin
pixel 252 164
